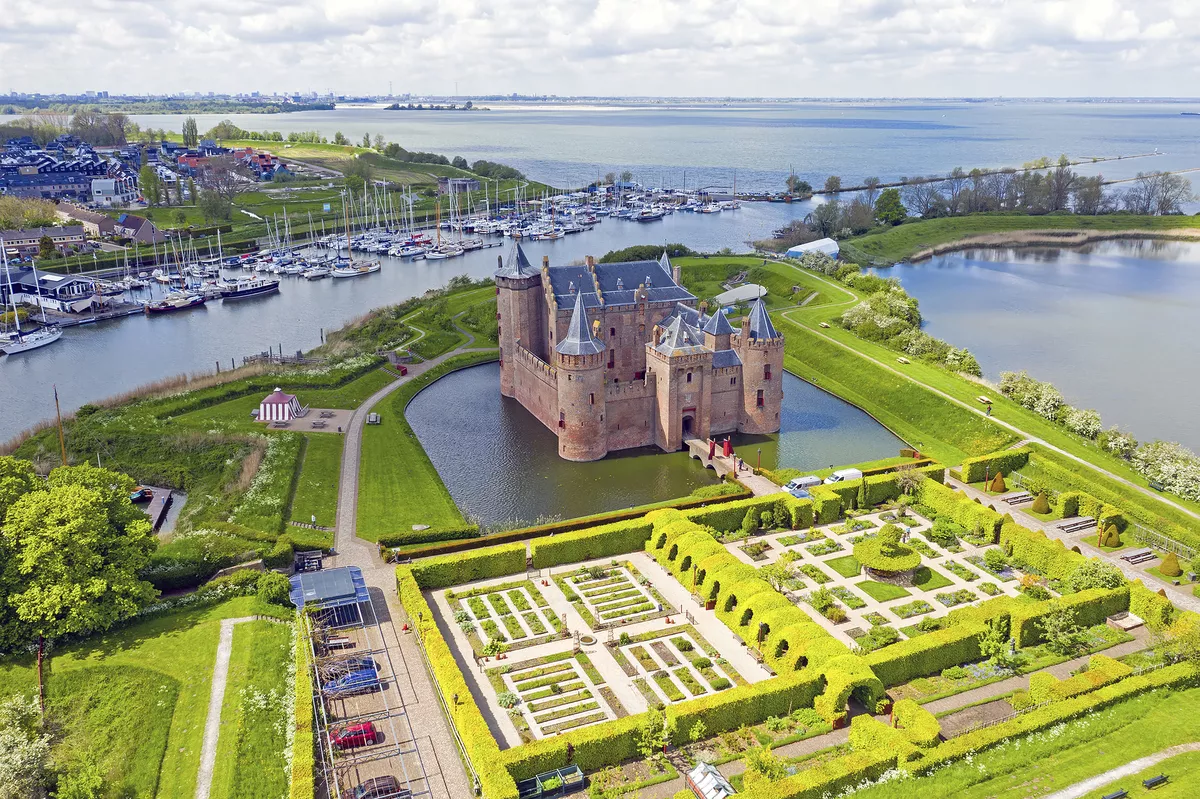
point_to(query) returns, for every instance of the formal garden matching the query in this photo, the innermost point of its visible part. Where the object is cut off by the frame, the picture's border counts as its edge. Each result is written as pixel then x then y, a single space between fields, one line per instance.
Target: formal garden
pixel 780 617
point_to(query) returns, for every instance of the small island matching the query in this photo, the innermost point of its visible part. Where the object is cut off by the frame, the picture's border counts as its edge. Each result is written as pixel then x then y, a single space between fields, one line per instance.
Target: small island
pixel 886 557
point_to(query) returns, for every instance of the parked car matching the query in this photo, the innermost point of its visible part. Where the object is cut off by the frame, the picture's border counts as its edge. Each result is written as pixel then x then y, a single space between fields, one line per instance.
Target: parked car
pixel 141 494
pixel 355 735
pixel 841 475
pixel 355 682
pixel 799 493
pixel 376 788
pixel 807 481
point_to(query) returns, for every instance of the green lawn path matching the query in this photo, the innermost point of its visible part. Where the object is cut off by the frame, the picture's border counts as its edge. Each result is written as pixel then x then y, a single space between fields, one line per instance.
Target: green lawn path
pixel 317 486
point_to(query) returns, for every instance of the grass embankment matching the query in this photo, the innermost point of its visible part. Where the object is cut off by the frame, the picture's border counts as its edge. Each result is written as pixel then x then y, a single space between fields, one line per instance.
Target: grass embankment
pixel 316 494
pixel 905 241
pixel 250 760
pixel 1182 772
pixel 875 381
pixel 704 278
pixel 1041 763
pixel 398 485
pixel 134 701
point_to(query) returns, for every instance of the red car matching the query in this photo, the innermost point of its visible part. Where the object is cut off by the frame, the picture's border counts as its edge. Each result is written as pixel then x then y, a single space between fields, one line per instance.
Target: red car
pixel 356 735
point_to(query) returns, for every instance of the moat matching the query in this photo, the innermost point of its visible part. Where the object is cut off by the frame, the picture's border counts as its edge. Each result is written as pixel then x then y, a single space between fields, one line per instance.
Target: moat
pixel 501 465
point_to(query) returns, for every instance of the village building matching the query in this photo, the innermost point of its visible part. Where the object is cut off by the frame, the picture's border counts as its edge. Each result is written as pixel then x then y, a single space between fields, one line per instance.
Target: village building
pixel 93 223
pixel 64 293
pixel 138 229
pixel 457 185
pixel 24 243
pixel 616 356
pixel 115 192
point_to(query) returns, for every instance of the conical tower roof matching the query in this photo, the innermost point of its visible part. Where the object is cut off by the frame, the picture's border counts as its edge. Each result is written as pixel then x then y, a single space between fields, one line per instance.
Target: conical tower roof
pixel 760 322
pixel 579 339
pixel 718 324
pixel 517 265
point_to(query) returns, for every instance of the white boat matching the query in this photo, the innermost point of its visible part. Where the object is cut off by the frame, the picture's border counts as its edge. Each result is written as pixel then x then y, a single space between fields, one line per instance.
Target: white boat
pixel 23 342
pixel 316 273
pixel 356 269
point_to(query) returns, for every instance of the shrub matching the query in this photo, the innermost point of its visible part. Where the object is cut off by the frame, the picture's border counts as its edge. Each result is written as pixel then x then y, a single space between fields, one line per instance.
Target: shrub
pixel 273 587
pixel 682 645
pixel 1157 611
pixel 885 553
pixel 1041 504
pixel 507 699
pixel 750 522
pixel 766 519
pixel 927 654
pixel 1006 461
pixel 998 485
pixel 1084 609
pixel 919 725
pixel 608 540
pixel 465 567
pixel 1095 573
pixel 1170 566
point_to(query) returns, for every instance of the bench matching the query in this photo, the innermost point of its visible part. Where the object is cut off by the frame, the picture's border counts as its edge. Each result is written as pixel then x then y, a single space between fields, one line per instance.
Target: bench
pixel 983 399
pixel 1017 499
pixel 1154 782
pixel 319 424
pixel 1076 525
pixel 327 414
pixel 1120 793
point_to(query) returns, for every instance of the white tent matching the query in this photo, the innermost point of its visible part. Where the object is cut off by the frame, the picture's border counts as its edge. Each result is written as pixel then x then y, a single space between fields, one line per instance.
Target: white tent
pixel 827 246
pixel 279 407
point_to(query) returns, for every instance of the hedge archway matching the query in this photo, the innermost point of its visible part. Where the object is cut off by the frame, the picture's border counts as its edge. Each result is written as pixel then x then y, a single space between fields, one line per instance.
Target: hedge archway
pixel 674 553
pixel 782 647
pixel 685 564
pixel 700 575
pixel 747 617
pixel 660 541
pixel 716 589
pixel 730 602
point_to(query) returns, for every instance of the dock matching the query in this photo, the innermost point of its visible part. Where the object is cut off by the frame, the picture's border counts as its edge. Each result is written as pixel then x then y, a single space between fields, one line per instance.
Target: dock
pixel 75 320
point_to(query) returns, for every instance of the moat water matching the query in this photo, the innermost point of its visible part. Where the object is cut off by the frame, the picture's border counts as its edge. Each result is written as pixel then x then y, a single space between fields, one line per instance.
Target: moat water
pixel 501 465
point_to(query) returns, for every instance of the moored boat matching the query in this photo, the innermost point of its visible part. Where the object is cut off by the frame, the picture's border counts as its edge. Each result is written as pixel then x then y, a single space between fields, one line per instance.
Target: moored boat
pixel 248 287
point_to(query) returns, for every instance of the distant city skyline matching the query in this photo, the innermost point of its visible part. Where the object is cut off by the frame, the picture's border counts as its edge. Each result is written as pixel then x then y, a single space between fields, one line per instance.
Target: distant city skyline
pixel 672 48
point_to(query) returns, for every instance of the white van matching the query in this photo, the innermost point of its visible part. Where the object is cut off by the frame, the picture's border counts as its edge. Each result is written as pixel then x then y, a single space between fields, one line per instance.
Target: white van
pixel 807 481
pixel 842 475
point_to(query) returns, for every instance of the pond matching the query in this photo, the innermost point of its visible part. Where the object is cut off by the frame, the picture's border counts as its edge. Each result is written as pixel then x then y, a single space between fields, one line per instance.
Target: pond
pixel 1113 325
pixel 502 467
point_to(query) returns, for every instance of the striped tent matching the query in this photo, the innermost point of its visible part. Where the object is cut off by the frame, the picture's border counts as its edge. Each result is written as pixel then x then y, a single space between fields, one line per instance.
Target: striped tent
pixel 278 407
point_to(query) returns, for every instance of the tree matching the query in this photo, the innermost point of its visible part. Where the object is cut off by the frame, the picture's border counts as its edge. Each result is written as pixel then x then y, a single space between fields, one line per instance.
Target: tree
pixel 924 198
pixel 1095 573
pixel 798 187
pixel 24 749
pixel 191 134
pixel 46 248
pixel 889 210
pixel 192 191
pixel 149 184
pixel 358 173
pixel 460 162
pixel 626 176
pixel 871 193
pixel 750 522
pixel 1063 636
pixel 825 219
pixel 1170 565
pixel 17 478
pixel 833 184
pixel 997 485
pixel 340 138
pixel 652 737
pixel 379 142
pixel 996 643
pixel 367 140
pixel 77 549
pixel 610 178
pixel 778 573
pixel 1182 642
pixel 225 176
pixel 697 732
pixel 762 765
pixel 1040 503
pixel 214 207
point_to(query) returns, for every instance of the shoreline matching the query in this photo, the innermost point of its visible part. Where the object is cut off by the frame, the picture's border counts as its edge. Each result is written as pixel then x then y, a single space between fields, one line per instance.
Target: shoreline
pixel 1050 238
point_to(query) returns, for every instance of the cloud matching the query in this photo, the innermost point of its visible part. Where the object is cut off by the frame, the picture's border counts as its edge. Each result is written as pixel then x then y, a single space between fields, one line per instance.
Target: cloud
pixel 605 47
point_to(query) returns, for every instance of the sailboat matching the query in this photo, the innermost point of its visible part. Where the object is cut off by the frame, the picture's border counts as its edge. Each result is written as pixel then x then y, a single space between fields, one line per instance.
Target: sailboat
pixel 22 342
pixel 352 269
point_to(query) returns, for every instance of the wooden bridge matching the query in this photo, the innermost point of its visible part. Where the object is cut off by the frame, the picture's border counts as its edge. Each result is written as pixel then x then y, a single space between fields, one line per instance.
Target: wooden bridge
pixel 698 448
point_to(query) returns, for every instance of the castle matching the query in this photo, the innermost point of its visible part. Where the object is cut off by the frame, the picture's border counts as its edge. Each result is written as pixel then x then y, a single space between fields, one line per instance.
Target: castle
pixel 614 356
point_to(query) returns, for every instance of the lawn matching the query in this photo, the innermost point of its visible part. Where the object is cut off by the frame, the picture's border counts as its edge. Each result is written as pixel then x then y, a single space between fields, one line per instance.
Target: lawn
pixel 881 592
pixel 704 276
pixel 398 485
pixel 846 566
pixel 1041 763
pixel 250 752
pixel 905 241
pixel 135 700
pixel 1182 772
pixel 317 486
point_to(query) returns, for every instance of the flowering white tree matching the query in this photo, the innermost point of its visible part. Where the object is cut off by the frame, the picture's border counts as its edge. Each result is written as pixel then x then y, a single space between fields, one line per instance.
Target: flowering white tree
pixel 1172 464
pixel 1119 442
pixel 1085 423
pixel 24 749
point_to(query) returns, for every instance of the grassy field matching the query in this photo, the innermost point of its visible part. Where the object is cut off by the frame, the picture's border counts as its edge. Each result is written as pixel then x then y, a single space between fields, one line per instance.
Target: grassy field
pixel 398 486
pixel 906 240
pixel 317 486
pixel 1038 764
pixel 1182 772
pixel 250 752
pixel 135 700
pixel 704 276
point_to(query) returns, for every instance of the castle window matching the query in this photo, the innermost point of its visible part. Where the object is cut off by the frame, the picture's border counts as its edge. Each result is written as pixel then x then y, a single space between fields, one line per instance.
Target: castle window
pixel 612 332
pixel 767 372
pixel 689 377
pixel 497 291
pixel 562 419
pixel 733 381
pixel 639 375
pixel 612 358
pixel 760 398
pixel 592 398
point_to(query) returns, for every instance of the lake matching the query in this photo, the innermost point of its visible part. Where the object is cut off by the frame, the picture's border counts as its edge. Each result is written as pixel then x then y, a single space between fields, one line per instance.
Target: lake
pixel 503 465
pixel 1113 325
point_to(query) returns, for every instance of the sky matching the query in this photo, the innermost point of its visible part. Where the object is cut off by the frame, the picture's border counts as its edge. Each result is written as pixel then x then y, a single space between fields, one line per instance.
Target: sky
pixel 677 48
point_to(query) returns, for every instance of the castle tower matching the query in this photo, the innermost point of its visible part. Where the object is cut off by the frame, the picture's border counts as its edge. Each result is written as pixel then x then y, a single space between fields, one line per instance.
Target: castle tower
pixel 761 351
pixel 582 432
pixel 520 315
pixel 717 332
pixel 682 368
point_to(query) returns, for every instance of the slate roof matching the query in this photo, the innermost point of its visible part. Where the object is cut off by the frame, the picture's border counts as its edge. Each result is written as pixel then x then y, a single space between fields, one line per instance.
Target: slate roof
pixel 760 322
pixel 517 265
pixel 618 282
pixel 723 359
pixel 579 339
pixel 718 325
pixel 681 338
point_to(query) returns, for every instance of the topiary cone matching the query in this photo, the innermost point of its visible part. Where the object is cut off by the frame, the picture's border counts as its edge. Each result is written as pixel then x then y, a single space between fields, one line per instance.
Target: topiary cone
pixel 1170 566
pixel 1112 536
pixel 1041 504
pixel 998 483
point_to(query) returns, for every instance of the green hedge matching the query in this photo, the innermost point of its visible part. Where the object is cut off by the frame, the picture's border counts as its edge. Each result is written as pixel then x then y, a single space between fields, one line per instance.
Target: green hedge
pixel 958 508
pixel 927 654
pixel 728 517
pixel 831 778
pixel 1088 608
pixel 456 532
pixel 848 491
pixel 608 540
pixel 983 467
pixel 880 489
pixel 827 505
pixel 745 705
pixel 465 567
pixel 919 725
pixel 303 740
pixel 869 734
pixel 480 746
pixel 957 748
pixel 1033 551
pixel 1150 606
